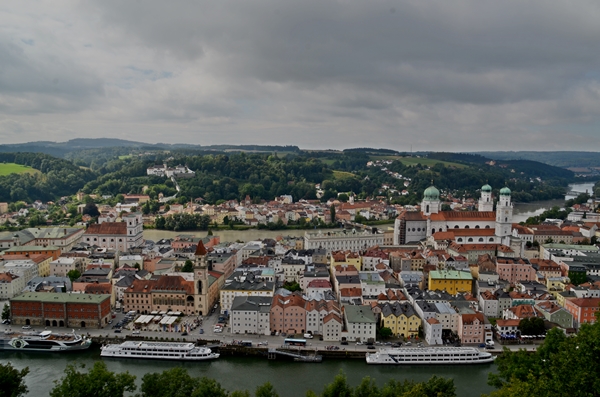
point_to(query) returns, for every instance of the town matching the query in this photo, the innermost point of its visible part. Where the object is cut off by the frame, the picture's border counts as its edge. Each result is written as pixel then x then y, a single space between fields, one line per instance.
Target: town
pixel 434 277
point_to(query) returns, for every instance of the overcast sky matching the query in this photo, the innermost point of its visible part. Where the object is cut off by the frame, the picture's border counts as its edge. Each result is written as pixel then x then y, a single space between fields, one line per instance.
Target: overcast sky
pixel 435 75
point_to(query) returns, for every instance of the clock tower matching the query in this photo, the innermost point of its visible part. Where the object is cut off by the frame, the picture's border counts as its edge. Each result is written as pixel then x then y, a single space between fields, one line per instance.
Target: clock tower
pixel 201 283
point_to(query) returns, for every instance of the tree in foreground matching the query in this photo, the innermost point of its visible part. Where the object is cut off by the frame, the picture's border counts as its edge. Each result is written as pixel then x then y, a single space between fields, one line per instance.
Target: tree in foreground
pixel 6 312
pixel 12 381
pixel 560 367
pixel 176 382
pixel 434 387
pixel 98 382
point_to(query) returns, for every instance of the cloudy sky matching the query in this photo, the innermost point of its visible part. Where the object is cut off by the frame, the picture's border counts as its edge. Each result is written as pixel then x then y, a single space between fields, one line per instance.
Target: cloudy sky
pixel 435 75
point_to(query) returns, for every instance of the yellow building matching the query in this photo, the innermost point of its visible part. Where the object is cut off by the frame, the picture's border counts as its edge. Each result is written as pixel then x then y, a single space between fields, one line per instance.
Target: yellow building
pixel 346 257
pixel 401 318
pixel 451 281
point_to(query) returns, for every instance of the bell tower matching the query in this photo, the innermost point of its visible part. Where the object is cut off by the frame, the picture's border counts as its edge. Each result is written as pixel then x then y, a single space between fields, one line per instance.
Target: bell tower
pixel 201 279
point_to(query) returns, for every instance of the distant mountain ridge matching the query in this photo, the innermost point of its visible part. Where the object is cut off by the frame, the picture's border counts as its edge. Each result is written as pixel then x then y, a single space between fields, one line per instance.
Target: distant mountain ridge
pixel 61 149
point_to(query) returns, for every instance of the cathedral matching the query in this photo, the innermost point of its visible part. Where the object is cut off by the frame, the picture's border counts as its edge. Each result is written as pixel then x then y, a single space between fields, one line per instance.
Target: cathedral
pixel 484 226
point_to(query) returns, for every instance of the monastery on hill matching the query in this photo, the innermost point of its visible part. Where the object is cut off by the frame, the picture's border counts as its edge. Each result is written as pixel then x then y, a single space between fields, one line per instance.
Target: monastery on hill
pixel 484 226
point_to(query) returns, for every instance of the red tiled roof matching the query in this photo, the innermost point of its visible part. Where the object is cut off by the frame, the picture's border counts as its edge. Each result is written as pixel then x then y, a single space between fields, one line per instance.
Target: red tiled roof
pixel 107 228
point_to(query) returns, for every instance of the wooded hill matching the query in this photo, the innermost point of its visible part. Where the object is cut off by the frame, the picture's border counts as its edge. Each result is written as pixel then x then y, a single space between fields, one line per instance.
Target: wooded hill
pixel 234 173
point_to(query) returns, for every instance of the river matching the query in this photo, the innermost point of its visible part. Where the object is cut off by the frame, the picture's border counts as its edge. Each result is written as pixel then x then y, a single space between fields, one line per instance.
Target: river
pixel 522 211
pixel 237 373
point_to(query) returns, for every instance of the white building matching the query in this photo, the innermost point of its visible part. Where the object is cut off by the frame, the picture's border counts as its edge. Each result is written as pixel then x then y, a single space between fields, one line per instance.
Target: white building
pixel 26 269
pixel 244 284
pixel 250 315
pixel 360 322
pixel 10 285
pixel 64 265
pixel 433 331
pixel 342 240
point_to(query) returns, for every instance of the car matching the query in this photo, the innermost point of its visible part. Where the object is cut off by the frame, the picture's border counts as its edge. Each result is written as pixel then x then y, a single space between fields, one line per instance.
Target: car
pixel 371 347
pixel 308 336
pixel 408 344
pixel 344 342
pixel 218 330
pixel 26 327
pixel 396 344
pixel 7 321
pixel 482 345
pixel 201 331
pixel 117 330
pixel 184 333
pixel 359 343
pixel 110 321
pixel 136 332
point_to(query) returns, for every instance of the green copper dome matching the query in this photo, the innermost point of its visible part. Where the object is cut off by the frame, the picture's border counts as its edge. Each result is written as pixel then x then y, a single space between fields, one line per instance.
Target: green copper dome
pixel 486 188
pixel 431 193
pixel 505 191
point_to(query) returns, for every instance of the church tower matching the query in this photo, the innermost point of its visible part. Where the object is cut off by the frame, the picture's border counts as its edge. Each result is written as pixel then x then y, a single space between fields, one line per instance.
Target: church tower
pixel 485 202
pixel 431 203
pixel 201 280
pixel 504 214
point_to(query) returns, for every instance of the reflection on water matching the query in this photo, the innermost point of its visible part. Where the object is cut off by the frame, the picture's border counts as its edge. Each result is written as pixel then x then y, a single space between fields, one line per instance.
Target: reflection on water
pixel 239 373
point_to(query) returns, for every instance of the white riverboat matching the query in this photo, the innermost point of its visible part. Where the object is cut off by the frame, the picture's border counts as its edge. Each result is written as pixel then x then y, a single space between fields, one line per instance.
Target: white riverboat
pixel 44 341
pixel 159 350
pixel 430 355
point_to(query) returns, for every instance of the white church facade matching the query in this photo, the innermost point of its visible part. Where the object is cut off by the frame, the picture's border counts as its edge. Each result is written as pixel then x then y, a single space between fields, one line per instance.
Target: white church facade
pixel 484 226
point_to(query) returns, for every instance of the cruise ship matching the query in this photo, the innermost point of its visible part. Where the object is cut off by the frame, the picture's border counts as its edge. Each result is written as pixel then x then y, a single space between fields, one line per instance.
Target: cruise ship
pixel 430 355
pixel 44 341
pixel 158 350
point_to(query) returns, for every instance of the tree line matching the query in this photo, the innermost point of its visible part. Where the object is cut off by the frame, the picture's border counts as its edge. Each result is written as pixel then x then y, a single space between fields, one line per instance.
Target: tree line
pixel 177 382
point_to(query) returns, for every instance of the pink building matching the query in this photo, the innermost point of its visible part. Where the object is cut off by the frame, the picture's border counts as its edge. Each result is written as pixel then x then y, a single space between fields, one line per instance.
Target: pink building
pixel 288 314
pixel 471 328
pixel 515 269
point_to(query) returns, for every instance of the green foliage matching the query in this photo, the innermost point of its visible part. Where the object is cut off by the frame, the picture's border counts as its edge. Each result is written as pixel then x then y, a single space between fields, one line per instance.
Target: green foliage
pixel 434 387
pixel 184 221
pixel 292 286
pixel 532 326
pixel 580 199
pixel 553 213
pixel 266 390
pixel 91 209
pixel 560 367
pixel 175 382
pixel 57 178
pixel 98 382
pixel 188 267
pixel 73 274
pixel 332 212
pixel 385 332
pixel 6 312
pixel 12 381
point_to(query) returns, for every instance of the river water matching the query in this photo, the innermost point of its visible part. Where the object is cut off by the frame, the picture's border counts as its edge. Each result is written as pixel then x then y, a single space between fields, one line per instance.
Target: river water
pixel 238 373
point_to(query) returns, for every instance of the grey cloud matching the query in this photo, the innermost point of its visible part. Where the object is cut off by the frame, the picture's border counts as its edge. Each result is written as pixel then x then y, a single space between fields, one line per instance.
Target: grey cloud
pixel 448 75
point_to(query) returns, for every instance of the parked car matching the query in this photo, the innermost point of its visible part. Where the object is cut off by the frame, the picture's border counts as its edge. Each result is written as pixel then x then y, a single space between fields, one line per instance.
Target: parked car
pixel 344 342
pixel 308 336
pixel 201 331
pixel 371 347
pixel 184 333
pixel 118 331
pixel 136 332
pixel 26 327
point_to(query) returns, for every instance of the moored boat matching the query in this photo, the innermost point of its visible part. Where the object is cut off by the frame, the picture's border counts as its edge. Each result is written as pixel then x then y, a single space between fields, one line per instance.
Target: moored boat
pixel 45 341
pixel 430 355
pixel 180 351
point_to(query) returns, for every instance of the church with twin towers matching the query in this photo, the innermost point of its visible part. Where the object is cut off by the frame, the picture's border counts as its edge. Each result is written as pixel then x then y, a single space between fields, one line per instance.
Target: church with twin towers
pixel 484 226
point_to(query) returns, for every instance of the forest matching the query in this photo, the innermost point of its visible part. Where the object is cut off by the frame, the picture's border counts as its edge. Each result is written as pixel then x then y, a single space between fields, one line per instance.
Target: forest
pixel 285 170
